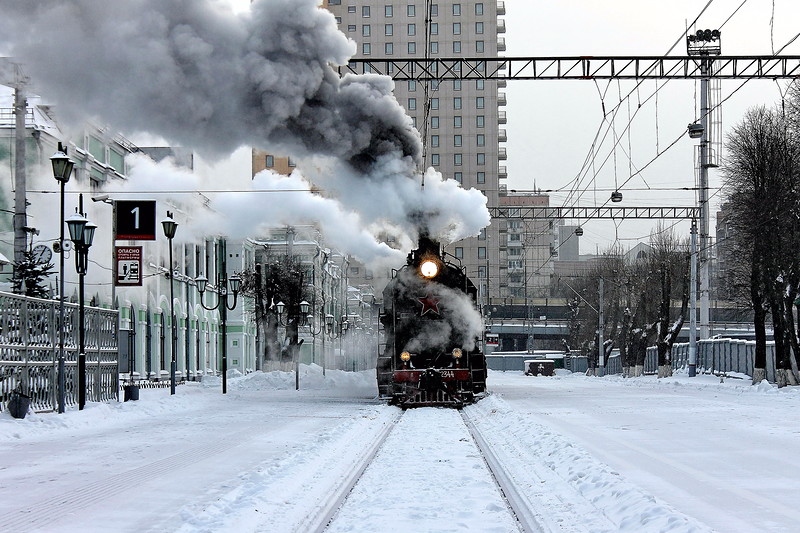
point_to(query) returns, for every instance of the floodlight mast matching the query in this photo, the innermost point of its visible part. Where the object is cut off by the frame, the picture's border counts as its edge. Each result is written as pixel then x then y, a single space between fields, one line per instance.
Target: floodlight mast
pixel 704 43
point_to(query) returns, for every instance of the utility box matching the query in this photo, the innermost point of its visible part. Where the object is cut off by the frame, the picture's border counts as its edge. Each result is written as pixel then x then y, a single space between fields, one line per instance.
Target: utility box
pixel 539 367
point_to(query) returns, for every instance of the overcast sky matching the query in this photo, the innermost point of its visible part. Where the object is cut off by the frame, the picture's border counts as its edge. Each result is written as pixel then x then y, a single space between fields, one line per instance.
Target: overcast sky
pixel 551 124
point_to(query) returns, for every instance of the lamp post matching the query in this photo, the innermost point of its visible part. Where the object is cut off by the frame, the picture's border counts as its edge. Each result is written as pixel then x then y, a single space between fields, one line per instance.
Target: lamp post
pixel 222 304
pixel 300 320
pixel 81 233
pixel 62 169
pixel 336 329
pixel 170 226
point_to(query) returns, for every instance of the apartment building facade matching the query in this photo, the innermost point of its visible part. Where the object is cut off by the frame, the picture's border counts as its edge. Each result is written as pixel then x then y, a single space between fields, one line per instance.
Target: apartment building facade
pixel 460 120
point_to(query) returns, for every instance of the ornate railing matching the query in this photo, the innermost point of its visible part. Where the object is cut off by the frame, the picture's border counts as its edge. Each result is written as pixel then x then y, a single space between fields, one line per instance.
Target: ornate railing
pixel 29 349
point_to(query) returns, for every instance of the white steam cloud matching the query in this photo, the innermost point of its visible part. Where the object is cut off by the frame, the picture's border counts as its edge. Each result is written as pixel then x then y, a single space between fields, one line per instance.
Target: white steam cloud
pixel 202 77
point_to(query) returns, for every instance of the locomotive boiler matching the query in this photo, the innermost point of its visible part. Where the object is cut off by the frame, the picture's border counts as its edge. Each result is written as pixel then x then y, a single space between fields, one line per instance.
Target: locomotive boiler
pixel 432 355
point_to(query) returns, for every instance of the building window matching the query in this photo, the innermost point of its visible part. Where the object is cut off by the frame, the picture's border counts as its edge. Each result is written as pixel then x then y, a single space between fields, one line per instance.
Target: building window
pixel 456 28
pixel 457 102
pixel 479 28
pixel 482 273
pixel 435 141
pixel 334 2
pixel 412 11
pixel 435 160
pixel 482 235
pixel 456 47
pixel 351 27
pixel 456 85
pixel 514 237
pixel 412 104
pixel 481 158
pixel 481 177
pixel 365 30
pixel 388 48
pixel 515 251
pixel 435 123
pixel 434 103
pixel 388 11
pixel 456 10
pixel 479 84
pixel 414 121
pixel 459 177
pixel 480 121
pixel 479 47
pixel 457 121
pixel 435 47
pixel 412 47
pixel 366 49
pixel 457 140
pixel 292 163
pixel 434 85
pixel 351 9
pixel 412 29
pixel 412 86
pixel 481 138
pixel 480 102
pixel 459 252
pixel 479 8
pixel 481 252
pixel 457 159
pixel 338 20
pixel 434 10
pixel 388 29
pixel 434 28
pixel 365 11
pixel 270 161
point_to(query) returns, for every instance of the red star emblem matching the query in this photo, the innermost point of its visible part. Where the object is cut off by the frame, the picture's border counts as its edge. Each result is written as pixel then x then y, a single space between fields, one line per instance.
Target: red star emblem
pixel 429 303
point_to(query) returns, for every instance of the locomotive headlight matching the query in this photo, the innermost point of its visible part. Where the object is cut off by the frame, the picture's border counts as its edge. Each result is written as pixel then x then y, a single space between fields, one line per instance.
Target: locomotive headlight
pixel 405 356
pixel 429 268
pixel 457 353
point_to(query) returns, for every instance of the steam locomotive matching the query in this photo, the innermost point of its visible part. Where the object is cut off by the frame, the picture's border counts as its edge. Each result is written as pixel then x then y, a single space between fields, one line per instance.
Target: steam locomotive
pixel 432 355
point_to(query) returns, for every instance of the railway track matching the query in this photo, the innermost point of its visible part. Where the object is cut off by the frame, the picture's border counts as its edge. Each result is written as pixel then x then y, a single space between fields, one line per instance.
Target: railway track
pixel 527 518
pixel 405 463
pixel 318 518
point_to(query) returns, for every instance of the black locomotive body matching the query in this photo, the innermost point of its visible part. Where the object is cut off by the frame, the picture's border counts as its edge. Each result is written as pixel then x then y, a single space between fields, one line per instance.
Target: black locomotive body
pixel 432 355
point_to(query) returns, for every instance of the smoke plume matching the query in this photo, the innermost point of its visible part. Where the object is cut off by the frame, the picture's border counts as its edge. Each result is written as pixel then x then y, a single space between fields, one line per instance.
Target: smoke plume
pixel 200 76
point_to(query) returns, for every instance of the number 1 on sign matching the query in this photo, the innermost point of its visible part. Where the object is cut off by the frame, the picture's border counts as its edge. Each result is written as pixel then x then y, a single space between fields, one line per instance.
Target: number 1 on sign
pixel 135 212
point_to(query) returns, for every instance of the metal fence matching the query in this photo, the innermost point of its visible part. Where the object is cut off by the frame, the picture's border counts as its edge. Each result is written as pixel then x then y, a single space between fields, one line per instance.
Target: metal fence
pixel 29 349
pixel 717 356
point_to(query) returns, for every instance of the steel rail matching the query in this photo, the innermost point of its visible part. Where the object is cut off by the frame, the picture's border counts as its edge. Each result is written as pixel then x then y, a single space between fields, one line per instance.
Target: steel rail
pixel 517 503
pixel 317 520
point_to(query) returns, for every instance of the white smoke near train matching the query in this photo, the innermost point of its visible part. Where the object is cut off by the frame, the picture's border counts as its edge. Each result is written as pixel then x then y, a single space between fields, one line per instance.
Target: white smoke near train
pixel 203 77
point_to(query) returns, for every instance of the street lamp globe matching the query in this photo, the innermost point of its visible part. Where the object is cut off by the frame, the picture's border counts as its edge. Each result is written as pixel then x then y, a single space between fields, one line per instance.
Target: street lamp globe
pixel 304 306
pixel 170 227
pixel 76 224
pixel 235 283
pixel 201 281
pixel 280 306
pixel 62 165
pixel 88 233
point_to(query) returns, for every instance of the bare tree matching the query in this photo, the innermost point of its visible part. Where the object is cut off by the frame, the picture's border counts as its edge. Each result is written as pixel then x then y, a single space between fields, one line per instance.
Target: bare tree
pixel 762 186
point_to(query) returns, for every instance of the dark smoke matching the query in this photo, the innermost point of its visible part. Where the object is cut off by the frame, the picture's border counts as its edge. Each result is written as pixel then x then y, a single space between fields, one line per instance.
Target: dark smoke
pixel 201 76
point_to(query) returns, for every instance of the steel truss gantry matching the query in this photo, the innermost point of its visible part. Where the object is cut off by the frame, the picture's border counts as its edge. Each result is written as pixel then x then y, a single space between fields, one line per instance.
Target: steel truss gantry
pixel 580 68
pixel 607 213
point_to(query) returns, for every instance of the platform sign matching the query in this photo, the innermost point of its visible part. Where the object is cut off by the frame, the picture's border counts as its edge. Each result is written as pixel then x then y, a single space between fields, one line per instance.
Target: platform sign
pixel 135 220
pixel 128 266
pixel 492 339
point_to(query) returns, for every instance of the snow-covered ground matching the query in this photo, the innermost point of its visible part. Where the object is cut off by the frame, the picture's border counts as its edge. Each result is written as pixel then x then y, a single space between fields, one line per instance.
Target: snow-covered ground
pixel 593 454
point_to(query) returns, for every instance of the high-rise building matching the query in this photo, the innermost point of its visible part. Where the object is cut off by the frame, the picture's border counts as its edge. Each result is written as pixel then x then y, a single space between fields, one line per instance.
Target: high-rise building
pixel 460 120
